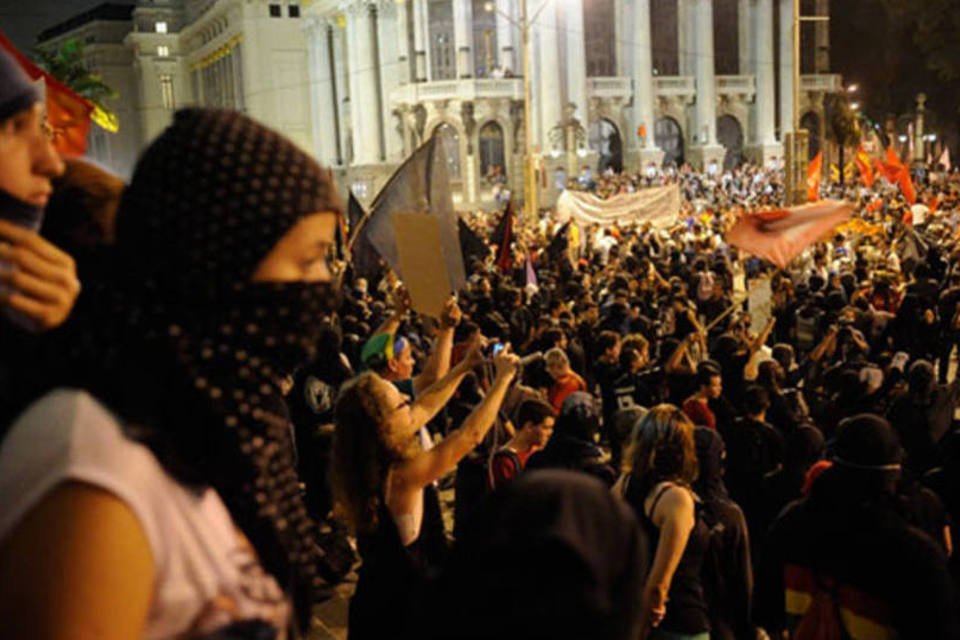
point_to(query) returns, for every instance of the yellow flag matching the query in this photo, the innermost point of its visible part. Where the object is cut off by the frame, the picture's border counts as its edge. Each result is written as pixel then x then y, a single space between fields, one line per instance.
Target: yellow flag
pixel 106 119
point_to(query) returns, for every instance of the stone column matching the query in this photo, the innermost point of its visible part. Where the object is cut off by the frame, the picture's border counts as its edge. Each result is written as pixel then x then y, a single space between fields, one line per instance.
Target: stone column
pixel 576 54
pixel 421 49
pixel 684 38
pixel 549 94
pixel 642 114
pixel 364 118
pixel 322 91
pixel 786 67
pixel 822 38
pixel 403 40
pixel 705 149
pixel 342 88
pixel 765 145
pixel 745 56
pixel 463 37
pixel 507 57
pixel 393 70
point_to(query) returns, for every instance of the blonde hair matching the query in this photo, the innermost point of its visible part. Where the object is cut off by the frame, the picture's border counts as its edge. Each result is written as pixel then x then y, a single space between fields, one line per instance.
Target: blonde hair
pixel 661 448
pixel 556 356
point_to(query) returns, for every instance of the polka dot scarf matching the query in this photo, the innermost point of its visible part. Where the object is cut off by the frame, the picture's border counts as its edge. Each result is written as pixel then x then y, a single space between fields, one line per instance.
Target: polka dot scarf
pixel 194 348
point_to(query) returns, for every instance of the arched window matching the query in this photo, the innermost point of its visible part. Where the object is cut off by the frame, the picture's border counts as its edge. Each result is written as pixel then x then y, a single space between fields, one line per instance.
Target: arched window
pixel 604 138
pixel 492 154
pixel 669 136
pixel 730 135
pixel 451 148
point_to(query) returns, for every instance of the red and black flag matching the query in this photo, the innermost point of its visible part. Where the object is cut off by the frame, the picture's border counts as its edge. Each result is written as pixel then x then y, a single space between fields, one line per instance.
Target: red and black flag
pixel 503 237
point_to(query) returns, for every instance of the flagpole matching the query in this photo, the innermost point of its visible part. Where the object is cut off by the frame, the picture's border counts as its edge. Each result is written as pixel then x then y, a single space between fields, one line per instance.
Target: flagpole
pixel 530 204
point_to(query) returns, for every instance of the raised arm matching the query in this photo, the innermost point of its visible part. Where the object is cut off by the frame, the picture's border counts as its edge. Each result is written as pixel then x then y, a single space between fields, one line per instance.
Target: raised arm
pixel 431 465
pixel 438 364
pixel 429 402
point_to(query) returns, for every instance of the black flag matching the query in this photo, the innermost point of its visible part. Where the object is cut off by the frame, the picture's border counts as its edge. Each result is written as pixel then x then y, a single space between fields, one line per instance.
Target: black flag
pixel 363 257
pixel 560 243
pixel 419 185
pixel 471 245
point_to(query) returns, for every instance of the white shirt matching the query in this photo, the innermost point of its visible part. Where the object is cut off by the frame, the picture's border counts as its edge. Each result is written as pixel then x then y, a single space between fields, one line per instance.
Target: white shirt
pixel 207 574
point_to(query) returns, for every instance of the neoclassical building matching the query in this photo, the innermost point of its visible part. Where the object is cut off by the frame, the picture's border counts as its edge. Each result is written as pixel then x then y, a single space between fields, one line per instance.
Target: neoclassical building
pixel 161 55
pixel 621 82
pixel 361 83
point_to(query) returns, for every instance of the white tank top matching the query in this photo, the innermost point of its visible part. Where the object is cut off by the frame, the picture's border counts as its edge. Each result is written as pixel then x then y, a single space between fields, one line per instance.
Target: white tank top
pixel 207 574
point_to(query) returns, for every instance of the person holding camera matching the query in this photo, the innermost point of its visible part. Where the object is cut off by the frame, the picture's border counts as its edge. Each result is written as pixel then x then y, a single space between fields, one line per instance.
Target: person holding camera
pixel 383 481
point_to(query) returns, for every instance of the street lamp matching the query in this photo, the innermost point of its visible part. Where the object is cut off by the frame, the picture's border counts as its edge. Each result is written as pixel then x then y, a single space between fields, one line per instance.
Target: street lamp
pixel 530 205
pixel 855 106
pixel 853 88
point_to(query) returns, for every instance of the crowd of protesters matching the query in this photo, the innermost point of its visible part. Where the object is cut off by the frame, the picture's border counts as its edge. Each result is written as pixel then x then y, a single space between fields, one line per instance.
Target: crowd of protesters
pixel 196 445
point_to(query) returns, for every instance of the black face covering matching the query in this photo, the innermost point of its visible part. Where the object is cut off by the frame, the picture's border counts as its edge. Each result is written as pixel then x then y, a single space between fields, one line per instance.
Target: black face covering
pixel 20 213
pixel 187 349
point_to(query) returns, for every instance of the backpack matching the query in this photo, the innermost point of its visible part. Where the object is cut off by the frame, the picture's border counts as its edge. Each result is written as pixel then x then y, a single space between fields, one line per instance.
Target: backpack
pixel 821 620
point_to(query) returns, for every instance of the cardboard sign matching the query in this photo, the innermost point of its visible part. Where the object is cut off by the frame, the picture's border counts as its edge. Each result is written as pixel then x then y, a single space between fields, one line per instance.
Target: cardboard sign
pixel 422 264
pixel 760 303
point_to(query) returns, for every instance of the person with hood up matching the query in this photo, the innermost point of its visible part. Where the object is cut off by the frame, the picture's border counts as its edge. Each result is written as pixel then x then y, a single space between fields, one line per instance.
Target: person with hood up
pixel 845 552
pixel 153 491
pixel 573 443
pixel 727 570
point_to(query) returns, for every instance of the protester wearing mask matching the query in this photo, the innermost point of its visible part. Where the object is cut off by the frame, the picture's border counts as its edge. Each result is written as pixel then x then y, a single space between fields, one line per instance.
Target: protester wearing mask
pixel 158 497
pixel 845 554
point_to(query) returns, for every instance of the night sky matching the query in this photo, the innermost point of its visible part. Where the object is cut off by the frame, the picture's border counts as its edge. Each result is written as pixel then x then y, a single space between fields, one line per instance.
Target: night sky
pixel 22 20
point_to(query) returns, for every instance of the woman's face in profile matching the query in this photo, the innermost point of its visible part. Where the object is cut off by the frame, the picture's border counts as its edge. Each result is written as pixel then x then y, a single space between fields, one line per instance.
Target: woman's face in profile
pixel 397 429
pixel 302 254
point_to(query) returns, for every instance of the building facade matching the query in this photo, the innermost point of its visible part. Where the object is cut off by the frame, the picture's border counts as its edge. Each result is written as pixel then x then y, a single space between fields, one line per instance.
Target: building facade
pixel 162 55
pixel 619 83
pixel 361 83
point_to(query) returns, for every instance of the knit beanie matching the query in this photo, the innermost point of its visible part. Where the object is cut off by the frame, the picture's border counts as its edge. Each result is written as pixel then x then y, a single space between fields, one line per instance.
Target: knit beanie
pixel 16 91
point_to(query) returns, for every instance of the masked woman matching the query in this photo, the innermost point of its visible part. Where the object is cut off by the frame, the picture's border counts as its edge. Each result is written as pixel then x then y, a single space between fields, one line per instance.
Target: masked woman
pixel 152 491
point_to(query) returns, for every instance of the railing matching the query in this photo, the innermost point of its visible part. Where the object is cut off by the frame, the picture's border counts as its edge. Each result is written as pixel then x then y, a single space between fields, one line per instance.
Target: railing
pixel 609 87
pixel 826 82
pixel 469 89
pixel 674 86
pixel 737 85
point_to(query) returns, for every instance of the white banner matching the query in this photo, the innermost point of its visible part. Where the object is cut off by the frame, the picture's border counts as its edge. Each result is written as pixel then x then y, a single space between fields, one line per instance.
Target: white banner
pixel 657 205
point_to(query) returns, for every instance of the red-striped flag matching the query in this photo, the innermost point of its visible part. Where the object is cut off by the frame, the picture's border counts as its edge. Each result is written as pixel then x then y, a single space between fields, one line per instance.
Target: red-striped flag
pixel 780 236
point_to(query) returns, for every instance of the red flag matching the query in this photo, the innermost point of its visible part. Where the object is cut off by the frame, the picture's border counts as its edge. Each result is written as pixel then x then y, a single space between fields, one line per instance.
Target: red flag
pixel 779 236
pixel 906 185
pixel 934 203
pixel 814 169
pixel 891 166
pixel 68 113
pixel 863 164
